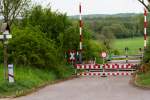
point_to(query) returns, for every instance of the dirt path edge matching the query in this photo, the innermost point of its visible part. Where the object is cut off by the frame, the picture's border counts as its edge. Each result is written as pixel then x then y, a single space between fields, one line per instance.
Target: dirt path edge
pixel 39 87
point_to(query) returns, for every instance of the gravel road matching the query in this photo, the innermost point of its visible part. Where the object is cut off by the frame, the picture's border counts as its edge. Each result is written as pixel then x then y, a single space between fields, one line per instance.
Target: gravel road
pixel 91 88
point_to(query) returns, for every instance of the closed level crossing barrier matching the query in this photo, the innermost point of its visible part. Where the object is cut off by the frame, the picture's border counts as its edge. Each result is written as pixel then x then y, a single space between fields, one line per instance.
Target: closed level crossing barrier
pixel 105 66
pixel 105 69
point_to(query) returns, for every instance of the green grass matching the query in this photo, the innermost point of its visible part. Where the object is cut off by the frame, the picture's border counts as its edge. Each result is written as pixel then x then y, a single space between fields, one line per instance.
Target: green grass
pixel 132 43
pixel 144 79
pixel 27 79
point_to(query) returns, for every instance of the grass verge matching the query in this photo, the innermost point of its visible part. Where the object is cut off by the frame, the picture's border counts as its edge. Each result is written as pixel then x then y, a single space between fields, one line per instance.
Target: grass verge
pixel 143 80
pixel 28 79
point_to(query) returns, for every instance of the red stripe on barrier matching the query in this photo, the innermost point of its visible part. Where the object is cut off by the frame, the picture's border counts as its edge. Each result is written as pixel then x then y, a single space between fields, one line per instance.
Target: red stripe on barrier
pixel 80 66
pixel 104 74
pixel 117 73
pixel 113 74
pixel 145 12
pixel 145 36
pixel 113 67
pixel 90 74
pixel 145 24
pixel 80 38
pixel 81 23
pixel 98 66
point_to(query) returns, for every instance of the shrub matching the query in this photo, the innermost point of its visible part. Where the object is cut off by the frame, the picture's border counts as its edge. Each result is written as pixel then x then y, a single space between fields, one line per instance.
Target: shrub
pixel 30 47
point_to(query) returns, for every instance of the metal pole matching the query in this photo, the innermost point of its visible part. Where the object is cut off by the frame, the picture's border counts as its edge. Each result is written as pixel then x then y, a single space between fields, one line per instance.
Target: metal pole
pixel 145 28
pixel 103 60
pixel 126 50
pixel 80 30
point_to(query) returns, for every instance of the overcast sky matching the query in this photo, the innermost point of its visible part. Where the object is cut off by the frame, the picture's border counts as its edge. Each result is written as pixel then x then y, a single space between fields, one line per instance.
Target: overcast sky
pixel 94 6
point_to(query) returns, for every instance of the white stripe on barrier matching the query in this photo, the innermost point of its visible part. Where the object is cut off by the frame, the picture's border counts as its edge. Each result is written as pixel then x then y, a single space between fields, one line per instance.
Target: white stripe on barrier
pixel 145 30
pixel 105 66
pixel 104 73
pixel 145 18
pixel 80 29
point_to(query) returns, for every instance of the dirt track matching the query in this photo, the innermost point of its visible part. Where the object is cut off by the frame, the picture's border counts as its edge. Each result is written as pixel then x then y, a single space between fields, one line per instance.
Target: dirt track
pixel 91 88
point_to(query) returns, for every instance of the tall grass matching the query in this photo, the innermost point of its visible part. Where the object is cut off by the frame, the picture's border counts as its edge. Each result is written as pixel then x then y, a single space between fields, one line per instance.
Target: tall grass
pixel 27 79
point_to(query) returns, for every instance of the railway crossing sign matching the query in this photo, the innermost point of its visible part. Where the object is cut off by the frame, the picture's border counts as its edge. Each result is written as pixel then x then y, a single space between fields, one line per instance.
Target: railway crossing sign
pixel 72 55
pixel 5 30
pixel 103 54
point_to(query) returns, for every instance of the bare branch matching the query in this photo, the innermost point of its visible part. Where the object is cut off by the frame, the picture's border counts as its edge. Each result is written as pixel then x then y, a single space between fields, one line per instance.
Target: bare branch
pixel 144 4
pixel 10 9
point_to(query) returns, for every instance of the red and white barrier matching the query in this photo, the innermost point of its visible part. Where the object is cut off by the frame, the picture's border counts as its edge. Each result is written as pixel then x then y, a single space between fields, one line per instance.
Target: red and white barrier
pixel 81 25
pixel 104 73
pixel 104 66
pixel 145 28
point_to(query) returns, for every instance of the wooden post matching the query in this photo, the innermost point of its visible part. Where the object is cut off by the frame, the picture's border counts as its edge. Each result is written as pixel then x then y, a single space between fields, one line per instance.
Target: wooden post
pixel 5 59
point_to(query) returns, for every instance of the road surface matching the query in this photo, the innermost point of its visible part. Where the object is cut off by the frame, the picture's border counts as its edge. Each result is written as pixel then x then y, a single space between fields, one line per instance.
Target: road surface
pixel 91 88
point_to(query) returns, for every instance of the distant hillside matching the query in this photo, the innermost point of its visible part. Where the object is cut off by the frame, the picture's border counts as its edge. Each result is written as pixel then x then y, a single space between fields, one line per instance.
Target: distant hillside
pixel 105 15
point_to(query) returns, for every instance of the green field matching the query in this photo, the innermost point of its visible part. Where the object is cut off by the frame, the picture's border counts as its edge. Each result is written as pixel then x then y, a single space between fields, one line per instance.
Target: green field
pixel 132 43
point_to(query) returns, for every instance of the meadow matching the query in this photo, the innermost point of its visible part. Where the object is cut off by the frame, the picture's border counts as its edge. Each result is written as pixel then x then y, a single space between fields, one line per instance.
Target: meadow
pixel 133 44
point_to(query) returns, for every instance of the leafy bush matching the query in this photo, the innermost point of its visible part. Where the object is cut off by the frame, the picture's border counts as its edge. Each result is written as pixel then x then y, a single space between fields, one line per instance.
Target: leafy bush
pixel 50 23
pixel 92 50
pixel 29 46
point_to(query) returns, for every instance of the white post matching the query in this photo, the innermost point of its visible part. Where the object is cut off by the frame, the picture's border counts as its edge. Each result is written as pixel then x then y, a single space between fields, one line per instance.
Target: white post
pixel 11 73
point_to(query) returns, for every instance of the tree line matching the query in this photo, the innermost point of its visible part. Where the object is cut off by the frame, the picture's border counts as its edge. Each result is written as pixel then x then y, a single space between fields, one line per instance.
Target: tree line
pixel 42 36
pixel 122 26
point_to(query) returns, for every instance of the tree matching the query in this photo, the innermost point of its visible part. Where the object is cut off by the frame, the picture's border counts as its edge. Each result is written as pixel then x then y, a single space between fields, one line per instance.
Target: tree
pixel 107 37
pixel 32 48
pixel 49 22
pixel 11 9
pixel 144 4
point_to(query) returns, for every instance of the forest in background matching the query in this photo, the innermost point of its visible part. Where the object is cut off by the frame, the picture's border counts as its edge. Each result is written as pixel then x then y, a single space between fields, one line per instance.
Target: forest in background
pixel 125 25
